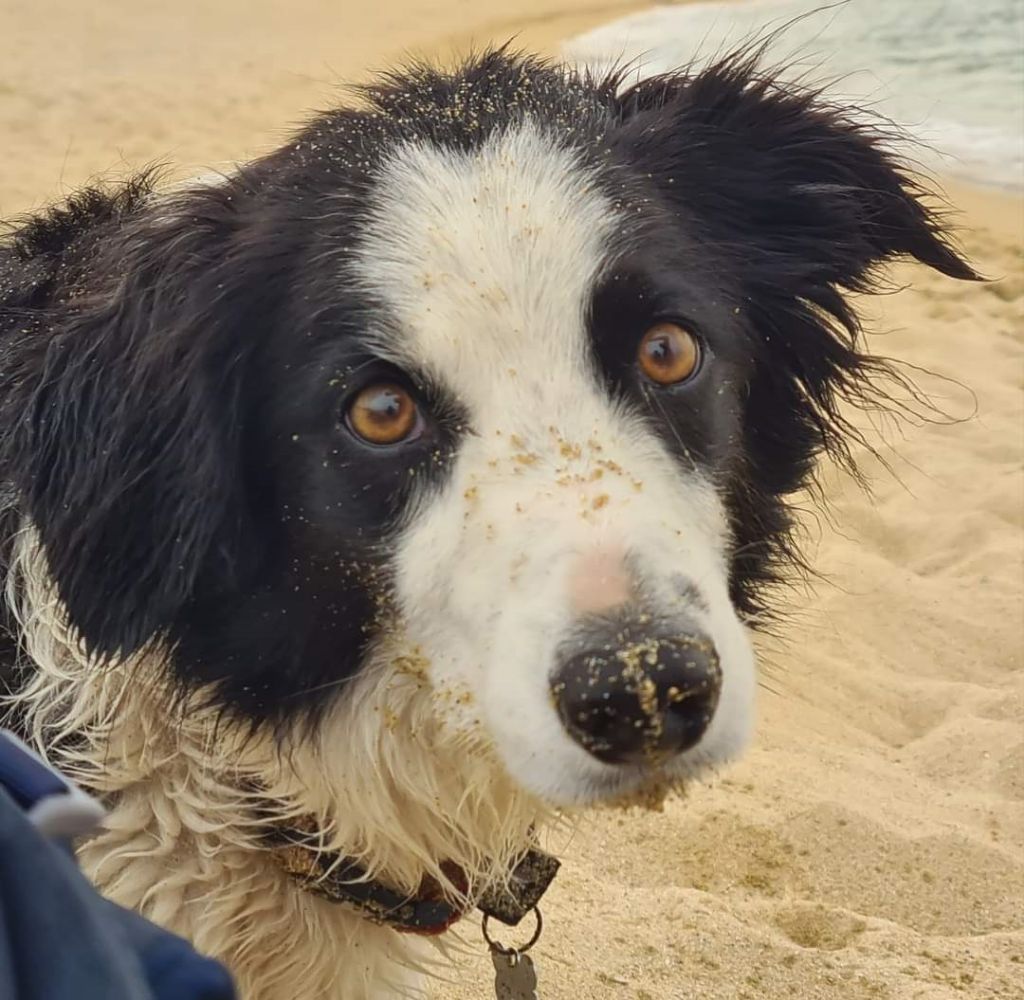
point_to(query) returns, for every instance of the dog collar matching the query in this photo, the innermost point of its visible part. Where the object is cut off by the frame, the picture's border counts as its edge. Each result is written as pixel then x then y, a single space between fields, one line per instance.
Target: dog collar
pixel 344 880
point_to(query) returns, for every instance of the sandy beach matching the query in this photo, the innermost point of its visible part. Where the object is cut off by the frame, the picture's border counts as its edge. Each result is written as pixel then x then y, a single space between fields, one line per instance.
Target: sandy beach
pixel 872 844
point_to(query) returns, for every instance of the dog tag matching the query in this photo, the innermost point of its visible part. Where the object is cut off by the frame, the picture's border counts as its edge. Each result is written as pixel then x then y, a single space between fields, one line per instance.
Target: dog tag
pixel 515 978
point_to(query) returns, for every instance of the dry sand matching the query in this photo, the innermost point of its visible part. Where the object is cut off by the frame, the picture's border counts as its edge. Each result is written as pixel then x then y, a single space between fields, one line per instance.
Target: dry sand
pixel 873 843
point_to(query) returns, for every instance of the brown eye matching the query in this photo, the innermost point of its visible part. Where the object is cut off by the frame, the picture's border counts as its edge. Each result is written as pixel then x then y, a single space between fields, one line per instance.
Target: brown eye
pixel 668 354
pixel 383 414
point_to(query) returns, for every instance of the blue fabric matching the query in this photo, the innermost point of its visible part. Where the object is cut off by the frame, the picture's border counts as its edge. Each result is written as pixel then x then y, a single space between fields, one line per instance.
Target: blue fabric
pixel 59 939
pixel 25 779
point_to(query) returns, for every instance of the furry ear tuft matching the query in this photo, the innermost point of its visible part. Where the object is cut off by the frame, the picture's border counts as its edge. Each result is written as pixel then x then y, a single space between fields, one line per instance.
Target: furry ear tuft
pixel 808 188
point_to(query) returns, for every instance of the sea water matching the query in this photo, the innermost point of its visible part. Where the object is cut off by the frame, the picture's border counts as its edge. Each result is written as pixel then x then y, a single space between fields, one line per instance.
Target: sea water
pixel 950 72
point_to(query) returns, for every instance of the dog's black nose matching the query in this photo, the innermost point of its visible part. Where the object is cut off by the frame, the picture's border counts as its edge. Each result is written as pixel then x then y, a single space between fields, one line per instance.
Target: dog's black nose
pixel 640 697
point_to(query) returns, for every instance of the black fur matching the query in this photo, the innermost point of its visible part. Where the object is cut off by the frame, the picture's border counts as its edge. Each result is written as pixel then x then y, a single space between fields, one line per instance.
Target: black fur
pixel 173 369
pixel 784 203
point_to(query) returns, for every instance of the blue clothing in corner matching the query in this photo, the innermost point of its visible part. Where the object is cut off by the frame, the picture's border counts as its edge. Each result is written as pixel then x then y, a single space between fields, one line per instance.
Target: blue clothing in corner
pixel 61 940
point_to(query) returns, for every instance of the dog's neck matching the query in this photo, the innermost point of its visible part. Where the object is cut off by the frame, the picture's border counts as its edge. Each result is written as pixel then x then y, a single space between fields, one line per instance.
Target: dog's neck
pixel 188 851
pixel 428 911
pixel 239 905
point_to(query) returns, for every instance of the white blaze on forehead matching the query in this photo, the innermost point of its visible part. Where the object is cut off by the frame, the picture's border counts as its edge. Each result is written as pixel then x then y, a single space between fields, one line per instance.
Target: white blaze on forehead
pixel 487 259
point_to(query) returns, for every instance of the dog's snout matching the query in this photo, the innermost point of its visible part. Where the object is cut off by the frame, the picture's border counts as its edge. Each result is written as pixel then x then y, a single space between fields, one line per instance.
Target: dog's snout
pixel 641 696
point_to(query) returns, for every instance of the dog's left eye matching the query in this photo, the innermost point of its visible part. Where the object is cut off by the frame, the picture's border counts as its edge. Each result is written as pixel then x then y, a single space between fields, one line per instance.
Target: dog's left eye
pixel 668 354
pixel 384 414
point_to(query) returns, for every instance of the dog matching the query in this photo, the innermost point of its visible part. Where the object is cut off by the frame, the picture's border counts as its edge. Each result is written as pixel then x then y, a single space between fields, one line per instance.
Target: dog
pixel 373 506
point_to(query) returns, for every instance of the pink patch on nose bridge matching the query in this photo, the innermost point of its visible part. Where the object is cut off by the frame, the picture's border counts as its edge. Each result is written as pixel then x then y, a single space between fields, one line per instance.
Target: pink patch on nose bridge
pixel 598 581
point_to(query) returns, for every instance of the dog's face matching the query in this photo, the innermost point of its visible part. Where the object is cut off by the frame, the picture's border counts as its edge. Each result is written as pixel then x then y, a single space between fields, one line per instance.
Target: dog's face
pixel 561 552
pixel 499 385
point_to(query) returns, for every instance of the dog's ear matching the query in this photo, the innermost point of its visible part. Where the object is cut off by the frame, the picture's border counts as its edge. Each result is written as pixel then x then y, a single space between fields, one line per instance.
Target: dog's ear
pixel 799 201
pixel 124 408
pixel 806 189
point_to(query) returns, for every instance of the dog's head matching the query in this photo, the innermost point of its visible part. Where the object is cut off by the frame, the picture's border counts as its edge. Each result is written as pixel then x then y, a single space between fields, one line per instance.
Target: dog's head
pixel 491 391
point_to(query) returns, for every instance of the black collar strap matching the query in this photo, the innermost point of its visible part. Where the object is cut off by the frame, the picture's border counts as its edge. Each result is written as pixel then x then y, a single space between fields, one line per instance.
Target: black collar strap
pixel 343 880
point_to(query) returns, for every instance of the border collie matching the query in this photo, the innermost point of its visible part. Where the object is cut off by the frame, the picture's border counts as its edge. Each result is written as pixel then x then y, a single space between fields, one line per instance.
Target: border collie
pixel 418 482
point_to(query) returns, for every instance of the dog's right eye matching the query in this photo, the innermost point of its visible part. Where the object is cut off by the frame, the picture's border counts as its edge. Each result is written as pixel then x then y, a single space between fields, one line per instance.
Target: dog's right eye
pixel 668 354
pixel 384 414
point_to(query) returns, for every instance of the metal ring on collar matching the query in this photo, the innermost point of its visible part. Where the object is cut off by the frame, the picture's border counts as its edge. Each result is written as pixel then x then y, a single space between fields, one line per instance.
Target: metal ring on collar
pixel 501 949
